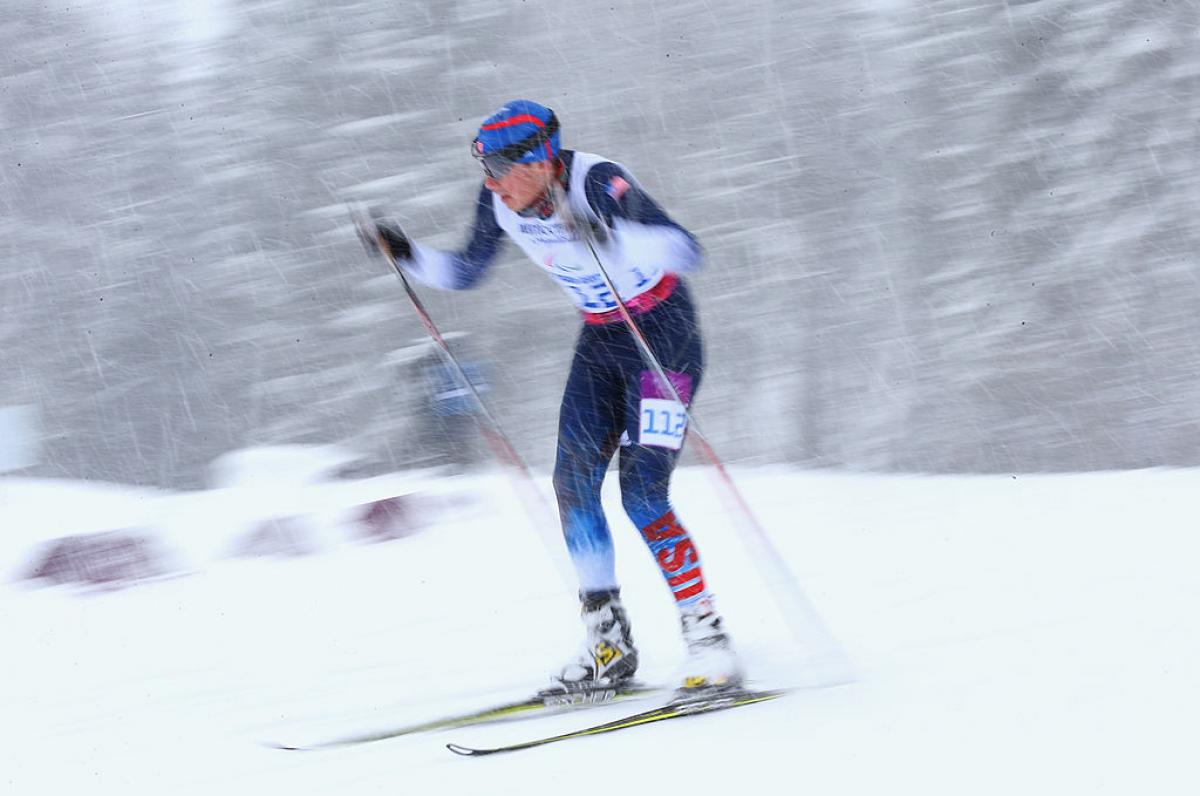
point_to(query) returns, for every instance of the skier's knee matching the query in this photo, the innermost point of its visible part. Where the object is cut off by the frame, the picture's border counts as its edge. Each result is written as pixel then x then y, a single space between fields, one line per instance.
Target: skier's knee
pixel 643 509
pixel 575 489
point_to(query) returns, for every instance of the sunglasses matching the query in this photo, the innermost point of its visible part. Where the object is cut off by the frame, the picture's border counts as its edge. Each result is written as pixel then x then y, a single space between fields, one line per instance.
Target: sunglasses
pixel 494 166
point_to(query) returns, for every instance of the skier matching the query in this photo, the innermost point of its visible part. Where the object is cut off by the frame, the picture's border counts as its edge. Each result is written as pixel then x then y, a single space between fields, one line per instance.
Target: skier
pixel 613 399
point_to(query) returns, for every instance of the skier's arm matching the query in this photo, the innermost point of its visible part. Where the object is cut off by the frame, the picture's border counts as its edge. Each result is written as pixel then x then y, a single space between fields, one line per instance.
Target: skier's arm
pixel 461 269
pixel 641 227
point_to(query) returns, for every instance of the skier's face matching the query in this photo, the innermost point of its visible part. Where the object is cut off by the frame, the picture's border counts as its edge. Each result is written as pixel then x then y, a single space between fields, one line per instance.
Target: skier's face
pixel 522 185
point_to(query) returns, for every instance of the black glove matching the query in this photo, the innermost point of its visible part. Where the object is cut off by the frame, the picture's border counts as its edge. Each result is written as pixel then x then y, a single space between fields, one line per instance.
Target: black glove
pixel 397 242
pixel 376 229
pixel 600 231
pixel 589 227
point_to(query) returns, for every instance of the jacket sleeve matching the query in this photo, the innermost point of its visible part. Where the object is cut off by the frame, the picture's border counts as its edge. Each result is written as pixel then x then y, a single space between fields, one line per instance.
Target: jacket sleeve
pixel 461 269
pixel 641 227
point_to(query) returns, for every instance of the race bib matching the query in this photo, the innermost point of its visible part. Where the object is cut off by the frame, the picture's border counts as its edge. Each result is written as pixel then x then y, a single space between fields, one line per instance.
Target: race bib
pixel 663 420
pixel 663 423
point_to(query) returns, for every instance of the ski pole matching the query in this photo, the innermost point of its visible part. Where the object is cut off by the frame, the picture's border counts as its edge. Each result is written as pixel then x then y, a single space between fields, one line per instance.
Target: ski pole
pixel 493 434
pixel 806 625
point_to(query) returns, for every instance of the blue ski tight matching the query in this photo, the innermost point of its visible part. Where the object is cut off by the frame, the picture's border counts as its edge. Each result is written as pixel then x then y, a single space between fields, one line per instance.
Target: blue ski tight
pixel 603 410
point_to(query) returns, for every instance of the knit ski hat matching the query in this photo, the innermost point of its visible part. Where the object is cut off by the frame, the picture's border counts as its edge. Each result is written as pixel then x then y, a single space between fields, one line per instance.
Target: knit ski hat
pixel 521 132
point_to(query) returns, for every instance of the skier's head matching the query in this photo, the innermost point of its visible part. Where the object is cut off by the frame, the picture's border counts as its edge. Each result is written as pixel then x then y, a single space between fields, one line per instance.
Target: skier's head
pixel 518 148
pixel 521 132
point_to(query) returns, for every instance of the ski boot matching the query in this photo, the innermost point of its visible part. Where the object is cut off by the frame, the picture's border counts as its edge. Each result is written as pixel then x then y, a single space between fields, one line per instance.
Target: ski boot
pixel 711 663
pixel 609 659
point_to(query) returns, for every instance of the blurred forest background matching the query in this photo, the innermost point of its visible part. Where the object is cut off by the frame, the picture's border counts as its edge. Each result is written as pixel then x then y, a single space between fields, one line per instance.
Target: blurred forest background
pixel 942 236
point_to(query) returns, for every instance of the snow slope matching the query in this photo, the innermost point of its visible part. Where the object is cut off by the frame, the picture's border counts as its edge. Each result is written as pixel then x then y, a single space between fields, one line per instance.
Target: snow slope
pixel 1015 634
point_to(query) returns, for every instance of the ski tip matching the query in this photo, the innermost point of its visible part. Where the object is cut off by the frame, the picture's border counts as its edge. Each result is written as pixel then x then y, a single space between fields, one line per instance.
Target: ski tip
pixel 465 751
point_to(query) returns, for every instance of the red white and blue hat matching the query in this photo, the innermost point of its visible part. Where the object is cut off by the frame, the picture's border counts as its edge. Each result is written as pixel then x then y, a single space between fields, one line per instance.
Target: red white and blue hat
pixel 521 132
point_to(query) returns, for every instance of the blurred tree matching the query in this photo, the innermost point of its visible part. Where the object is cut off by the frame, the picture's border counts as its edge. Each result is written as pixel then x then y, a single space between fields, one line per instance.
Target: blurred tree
pixel 941 237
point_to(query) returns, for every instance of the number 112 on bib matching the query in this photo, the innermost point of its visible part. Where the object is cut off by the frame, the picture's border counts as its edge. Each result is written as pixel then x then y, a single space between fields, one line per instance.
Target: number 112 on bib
pixel 663 423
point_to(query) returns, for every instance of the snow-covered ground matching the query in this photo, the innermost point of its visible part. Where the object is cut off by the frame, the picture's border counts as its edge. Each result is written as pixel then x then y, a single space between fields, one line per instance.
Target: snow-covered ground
pixel 1014 634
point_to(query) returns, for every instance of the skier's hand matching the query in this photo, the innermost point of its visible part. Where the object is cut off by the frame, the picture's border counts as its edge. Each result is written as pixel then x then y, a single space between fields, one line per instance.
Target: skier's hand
pixel 590 228
pixel 384 232
pixel 601 234
pixel 394 238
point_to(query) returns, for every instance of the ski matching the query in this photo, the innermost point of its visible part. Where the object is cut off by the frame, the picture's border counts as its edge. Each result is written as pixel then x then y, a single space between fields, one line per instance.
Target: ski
pixel 544 703
pixel 677 709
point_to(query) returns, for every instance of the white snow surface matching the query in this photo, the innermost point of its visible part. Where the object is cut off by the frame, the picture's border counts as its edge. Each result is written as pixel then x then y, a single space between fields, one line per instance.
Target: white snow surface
pixel 1011 634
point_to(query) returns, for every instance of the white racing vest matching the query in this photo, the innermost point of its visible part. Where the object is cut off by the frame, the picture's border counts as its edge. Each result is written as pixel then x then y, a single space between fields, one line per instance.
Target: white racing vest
pixel 637 255
pixel 633 263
